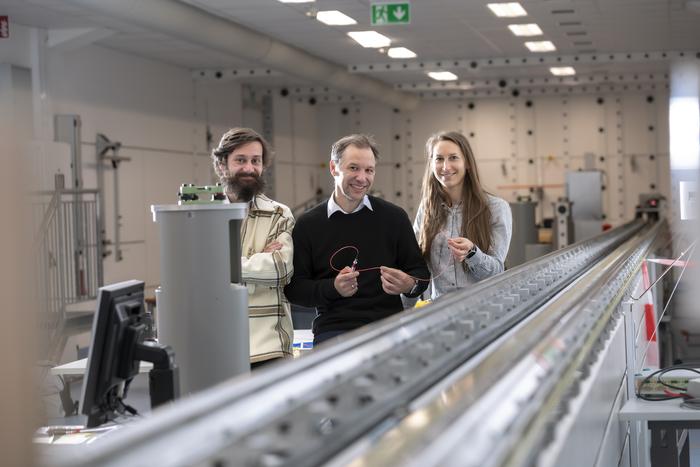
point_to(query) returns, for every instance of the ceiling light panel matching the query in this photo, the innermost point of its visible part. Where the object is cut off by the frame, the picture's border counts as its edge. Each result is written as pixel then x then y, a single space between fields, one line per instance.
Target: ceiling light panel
pixel 442 75
pixel 562 71
pixel 334 18
pixel 525 30
pixel 401 52
pixel 370 39
pixel 507 10
pixel 296 1
pixel 540 46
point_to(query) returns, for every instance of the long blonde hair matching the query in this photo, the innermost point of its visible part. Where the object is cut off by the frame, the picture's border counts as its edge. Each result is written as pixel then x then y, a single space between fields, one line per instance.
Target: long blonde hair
pixel 476 215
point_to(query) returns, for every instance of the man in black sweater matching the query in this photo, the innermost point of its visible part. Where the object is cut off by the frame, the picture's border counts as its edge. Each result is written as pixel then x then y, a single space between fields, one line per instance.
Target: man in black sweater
pixel 360 284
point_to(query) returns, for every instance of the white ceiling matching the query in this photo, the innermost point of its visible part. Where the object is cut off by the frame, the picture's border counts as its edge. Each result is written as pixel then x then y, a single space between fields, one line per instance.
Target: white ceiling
pixel 440 30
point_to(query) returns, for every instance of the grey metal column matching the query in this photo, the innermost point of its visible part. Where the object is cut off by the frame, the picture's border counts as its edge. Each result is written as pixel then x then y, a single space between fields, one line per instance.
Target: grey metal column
pixel 202 315
pixel 563 226
pixel 524 231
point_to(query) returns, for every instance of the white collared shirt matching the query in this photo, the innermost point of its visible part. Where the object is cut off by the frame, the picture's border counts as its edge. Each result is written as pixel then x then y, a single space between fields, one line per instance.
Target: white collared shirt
pixel 333 206
pixel 228 201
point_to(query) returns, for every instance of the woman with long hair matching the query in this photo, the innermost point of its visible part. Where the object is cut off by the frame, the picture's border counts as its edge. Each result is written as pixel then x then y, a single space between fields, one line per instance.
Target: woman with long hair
pixel 463 231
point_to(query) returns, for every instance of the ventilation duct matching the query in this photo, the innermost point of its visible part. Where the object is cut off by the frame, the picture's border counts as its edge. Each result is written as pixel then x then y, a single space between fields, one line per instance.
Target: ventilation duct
pixel 196 26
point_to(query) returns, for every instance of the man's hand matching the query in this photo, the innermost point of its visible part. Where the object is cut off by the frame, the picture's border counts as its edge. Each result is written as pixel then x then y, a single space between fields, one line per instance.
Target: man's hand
pixel 395 281
pixel 346 282
pixel 272 246
pixel 459 246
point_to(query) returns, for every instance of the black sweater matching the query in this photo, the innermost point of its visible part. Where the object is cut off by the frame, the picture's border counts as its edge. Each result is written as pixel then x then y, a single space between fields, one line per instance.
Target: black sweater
pixel 383 236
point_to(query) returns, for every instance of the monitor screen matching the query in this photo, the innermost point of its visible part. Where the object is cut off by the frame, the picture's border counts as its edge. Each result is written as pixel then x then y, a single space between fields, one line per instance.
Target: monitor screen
pixel 118 327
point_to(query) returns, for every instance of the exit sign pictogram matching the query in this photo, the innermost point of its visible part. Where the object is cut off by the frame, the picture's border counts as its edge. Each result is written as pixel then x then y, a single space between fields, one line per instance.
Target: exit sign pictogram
pixel 391 13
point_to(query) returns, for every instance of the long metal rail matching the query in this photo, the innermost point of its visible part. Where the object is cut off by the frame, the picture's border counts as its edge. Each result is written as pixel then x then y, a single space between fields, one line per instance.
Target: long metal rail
pixel 306 411
pixel 501 408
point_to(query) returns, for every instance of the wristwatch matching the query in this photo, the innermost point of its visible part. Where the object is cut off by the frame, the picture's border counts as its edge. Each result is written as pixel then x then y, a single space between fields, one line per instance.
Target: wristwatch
pixel 471 252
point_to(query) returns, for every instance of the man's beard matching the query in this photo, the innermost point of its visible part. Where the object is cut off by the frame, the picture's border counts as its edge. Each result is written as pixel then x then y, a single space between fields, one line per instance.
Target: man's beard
pixel 243 189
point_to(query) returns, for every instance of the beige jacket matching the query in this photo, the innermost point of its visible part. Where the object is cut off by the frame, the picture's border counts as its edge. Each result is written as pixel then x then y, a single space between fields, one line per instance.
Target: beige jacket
pixel 265 275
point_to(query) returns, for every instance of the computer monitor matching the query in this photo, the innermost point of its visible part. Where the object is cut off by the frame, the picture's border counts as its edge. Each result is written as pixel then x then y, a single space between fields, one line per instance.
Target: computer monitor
pixel 118 345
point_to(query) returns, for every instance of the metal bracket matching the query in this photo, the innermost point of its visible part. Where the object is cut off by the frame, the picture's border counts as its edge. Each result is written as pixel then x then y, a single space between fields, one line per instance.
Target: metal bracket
pixel 102 148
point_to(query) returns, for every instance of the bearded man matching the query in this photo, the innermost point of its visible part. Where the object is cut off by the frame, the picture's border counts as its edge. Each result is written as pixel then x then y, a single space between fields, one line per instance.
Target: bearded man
pixel 266 242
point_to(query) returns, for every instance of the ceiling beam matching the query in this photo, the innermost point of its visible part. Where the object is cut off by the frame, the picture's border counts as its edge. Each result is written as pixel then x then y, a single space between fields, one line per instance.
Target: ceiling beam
pixel 519 62
pixel 546 81
pixel 66 40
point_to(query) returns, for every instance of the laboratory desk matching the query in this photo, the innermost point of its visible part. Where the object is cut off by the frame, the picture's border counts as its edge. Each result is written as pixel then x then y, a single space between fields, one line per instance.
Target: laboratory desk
pixel 668 423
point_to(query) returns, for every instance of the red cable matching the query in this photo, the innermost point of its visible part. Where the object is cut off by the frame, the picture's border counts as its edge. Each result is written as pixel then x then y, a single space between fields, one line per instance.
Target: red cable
pixel 357 254
pixel 677 394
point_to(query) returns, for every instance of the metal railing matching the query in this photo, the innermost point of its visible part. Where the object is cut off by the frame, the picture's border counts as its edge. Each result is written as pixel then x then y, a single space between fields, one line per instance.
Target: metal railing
pixel 68 256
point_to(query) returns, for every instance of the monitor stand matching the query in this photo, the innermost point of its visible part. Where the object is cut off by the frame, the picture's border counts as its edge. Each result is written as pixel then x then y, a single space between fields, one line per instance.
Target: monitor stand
pixel 163 379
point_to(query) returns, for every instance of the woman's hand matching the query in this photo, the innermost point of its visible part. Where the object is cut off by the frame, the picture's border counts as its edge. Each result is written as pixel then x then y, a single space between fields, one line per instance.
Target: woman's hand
pixel 460 246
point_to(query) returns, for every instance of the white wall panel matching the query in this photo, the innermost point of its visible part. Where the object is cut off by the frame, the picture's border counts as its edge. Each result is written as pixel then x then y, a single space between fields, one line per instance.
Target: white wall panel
pixel 549 147
pixel 333 122
pixel 639 131
pixel 377 120
pixel 525 149
pixel 284 136
pixel 161 117
pixel 549 114
pixel 587 130
pixel 492 131
pixel 217 107
pixel 524 145
pixel 284 189
pixel 305 131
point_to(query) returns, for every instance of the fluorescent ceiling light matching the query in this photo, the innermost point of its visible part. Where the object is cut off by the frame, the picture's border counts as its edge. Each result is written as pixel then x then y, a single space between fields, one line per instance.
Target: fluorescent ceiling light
pixel 562 70
pixel 401 52
pixel 334 18
pixel 370 39
pixel 296 1
pixel 507 10
pixel 525 29
pixel 442 75
pixel 540 46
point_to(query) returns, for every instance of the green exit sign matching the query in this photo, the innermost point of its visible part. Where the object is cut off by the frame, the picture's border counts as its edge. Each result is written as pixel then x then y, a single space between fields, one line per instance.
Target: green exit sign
pixel 391 13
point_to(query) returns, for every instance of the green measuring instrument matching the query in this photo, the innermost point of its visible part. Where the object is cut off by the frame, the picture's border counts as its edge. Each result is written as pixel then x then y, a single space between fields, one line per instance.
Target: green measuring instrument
pixel 208 194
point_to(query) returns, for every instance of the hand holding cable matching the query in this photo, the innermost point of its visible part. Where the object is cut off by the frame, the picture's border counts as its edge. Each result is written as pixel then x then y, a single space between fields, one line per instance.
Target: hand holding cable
pixel 346 282
pixel 395 281
pixel 354 267
pixel 460 247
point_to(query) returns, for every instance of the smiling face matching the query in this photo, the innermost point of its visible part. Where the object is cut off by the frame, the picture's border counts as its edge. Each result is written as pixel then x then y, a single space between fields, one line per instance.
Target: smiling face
pixel 448 166
pixel 244 166
pixel 354 175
